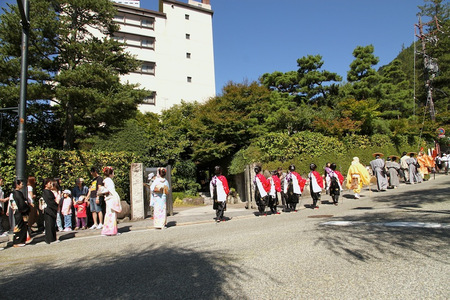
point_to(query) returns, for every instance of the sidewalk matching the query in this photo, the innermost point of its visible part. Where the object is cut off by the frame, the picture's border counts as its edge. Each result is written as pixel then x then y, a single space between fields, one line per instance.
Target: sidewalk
pixel 184 216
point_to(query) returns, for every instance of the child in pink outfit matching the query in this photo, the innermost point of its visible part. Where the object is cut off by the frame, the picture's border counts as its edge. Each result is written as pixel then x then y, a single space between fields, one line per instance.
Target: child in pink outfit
pixel 81 207
pixel 66 210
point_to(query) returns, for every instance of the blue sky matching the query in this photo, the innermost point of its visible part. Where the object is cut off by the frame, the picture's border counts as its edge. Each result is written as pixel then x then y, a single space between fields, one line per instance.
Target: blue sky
pixel 253 37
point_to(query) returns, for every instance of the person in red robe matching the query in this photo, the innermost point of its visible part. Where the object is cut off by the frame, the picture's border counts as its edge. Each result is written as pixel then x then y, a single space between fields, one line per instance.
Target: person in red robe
pixel 262 188
pixel 316 185
pixel 293 188
pixel 275 189
pixel 219 190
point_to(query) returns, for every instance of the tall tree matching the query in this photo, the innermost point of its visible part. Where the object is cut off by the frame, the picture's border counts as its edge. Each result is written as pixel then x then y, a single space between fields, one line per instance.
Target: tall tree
pixel 362 76
pixel 226 123
pixel 314 83
pixel 397 100
pixel 73 63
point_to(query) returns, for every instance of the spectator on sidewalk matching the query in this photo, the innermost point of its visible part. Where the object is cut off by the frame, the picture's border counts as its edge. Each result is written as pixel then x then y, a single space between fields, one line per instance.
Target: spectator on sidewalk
pixel 81 208
pixel 112 201
pixel 159 189
pixel 50 210
pixel 34 212
pixel 3 208
pixel 21 210
pixel 95 200
pixel 66 210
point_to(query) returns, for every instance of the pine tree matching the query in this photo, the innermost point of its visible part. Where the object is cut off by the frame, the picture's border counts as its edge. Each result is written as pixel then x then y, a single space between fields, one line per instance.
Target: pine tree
pixel 73 63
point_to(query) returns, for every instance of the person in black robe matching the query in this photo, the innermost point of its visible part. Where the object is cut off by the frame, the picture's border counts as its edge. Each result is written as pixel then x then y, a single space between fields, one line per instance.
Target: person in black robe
pixel 50 211
pixel 21 210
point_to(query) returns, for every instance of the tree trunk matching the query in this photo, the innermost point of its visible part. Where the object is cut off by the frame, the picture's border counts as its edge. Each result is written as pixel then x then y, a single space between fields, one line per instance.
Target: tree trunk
pixel 69 128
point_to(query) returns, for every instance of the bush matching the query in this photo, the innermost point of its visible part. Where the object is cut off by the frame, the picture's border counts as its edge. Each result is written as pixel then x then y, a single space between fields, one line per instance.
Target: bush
pixel 69 165
pixel 281 150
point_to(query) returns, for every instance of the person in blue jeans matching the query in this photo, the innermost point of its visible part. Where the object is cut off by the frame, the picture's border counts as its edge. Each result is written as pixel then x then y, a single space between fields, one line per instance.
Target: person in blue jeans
pixel 95 201
pixel 66 210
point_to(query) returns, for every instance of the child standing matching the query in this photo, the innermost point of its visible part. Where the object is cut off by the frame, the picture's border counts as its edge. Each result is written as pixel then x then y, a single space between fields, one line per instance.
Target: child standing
pixel 66 210
pixel 316 185
pixel 81 207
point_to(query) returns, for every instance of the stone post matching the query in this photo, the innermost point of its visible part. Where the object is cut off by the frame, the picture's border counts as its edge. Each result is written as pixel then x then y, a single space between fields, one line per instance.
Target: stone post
pixel 250 197
pixel 137 191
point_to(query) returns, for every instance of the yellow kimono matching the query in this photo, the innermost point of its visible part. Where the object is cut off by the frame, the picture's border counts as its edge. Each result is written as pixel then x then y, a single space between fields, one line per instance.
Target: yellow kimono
pixel 357 175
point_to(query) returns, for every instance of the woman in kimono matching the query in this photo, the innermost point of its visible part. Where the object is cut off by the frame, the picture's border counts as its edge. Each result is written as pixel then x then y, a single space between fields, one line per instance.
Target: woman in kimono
pixel 357 175
pixel 160 189
pixel 378 168
pixel 393 168
pixel 414 176
pixel 21 210
pixel 262 188
pixel 112 202
pixel 218 187
pixel 50 211
pixel 293 188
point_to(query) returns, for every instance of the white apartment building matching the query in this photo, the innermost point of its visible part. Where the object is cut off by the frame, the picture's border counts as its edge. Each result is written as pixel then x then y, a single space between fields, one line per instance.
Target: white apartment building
pixel 175 46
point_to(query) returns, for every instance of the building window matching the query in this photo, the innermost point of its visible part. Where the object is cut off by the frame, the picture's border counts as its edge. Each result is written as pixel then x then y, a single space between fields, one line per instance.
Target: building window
pixel 188 36
pixel 148 68
pixel 119 18
pixel 150 99
pixel 119 39
pixel 186 17
pixel 188 55
pixel 148 43
pixel 147 23
pixel 189 79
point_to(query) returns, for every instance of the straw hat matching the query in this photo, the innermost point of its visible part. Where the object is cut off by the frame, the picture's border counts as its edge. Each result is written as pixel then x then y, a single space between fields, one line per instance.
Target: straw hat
pixel 378 153
pixel 392 156
pixel 409 153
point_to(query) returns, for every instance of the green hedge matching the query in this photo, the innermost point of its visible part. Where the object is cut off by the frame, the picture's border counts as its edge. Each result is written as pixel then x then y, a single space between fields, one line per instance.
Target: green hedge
pixel 281 150
pixel 68 165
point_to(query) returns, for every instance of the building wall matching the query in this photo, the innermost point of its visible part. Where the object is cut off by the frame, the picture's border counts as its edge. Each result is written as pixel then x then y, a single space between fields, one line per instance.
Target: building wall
pixel 135 3
pixel 176 48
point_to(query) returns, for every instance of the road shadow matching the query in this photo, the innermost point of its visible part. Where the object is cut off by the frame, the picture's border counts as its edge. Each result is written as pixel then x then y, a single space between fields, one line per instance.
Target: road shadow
pixel 156 273
pixel 367 237
pixel 417 198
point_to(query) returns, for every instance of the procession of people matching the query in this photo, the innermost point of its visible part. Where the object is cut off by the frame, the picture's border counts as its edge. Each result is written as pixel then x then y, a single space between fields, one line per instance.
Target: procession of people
pixel 61 209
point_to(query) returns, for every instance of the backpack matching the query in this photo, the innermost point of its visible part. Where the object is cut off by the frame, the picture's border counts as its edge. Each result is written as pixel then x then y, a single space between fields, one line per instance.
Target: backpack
pixel 334 185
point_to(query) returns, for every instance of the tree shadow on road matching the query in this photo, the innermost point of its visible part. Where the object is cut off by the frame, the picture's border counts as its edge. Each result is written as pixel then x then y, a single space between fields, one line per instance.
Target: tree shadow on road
pixel 156 273
pixel 368 238
pixel 417 198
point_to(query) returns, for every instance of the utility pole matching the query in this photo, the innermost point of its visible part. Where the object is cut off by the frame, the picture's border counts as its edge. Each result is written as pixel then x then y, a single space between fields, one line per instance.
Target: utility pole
pixel 430 65
pixel 21 153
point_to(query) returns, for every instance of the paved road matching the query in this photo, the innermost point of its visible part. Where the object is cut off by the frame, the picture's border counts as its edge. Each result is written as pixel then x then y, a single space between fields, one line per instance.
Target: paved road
pixel 394 245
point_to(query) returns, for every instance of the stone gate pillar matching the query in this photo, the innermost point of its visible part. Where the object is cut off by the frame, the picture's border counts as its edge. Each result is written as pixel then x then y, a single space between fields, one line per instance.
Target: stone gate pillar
pixel 137 191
